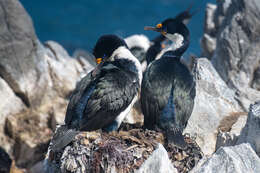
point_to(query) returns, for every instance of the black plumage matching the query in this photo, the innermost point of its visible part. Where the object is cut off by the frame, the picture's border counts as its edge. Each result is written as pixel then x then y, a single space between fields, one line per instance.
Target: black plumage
pixel 98 100
pixel 155 49
pixel 102 95
pixel 168 88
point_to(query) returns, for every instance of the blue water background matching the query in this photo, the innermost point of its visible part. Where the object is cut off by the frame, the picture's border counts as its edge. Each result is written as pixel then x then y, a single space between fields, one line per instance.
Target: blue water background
pixel 78 24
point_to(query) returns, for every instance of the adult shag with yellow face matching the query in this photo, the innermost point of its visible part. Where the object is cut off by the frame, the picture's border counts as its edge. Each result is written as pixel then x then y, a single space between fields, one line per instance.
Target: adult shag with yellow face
pixel 168 88
pixel 104 97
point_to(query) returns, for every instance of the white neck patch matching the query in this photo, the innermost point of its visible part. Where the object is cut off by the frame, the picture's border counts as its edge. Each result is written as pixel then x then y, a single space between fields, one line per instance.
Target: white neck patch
pixel 177 40
pixel 123 53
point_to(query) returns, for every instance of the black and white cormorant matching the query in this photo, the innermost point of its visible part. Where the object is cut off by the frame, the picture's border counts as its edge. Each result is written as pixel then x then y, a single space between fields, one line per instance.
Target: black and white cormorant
pixel 168 88
pixel 104 97
pixel 155 50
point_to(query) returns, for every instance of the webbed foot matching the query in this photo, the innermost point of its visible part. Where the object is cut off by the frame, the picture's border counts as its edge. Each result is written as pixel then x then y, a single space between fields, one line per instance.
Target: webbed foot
pixel 111 127
pixel 175 138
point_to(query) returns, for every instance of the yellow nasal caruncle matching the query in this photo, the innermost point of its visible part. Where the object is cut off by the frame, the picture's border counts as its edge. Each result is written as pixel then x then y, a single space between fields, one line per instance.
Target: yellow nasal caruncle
pixel 98 60
pixel 159 25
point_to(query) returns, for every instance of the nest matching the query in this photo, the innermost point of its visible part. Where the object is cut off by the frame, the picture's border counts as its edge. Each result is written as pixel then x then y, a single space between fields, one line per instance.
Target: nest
pixel 123 151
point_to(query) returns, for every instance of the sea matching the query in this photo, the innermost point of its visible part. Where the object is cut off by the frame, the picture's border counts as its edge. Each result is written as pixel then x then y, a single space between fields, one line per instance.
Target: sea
pixel 78 24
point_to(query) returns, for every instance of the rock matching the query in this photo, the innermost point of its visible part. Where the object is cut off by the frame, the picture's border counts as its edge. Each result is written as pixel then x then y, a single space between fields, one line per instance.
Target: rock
pixel 208 41
pixel 57 112
pixel 21 62
pixel 235 27
pixel 247 97
pixel 86 59
pixel 158 162
pixel 208 45
pixel 37 81
pixel 230 129
pixel 31 133
pixel 256 79
pixel 251 132
pixel 213 101
pixel 89 57
pixel 37 168
pixel 12 105
pixel 237 53
pixel 209 25
pixel 239 158
pixel 6 142
pixel 64 71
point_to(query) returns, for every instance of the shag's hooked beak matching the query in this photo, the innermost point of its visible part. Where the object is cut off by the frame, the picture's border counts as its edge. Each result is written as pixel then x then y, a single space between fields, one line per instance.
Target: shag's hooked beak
pixel 97 69
pixel 100 62
pixel 158 28
pixel 151 28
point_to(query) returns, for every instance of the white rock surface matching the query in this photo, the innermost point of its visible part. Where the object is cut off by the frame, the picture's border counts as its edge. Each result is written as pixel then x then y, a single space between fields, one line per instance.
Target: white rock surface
pixel 230 138
pixel 233 159
pixel 213 101
pixel 208 44
pixel 158 162
pixel 209 25
pixel 251 132
pixel 237 56
pixel 64 70
pixel 22 64
pixel 10 103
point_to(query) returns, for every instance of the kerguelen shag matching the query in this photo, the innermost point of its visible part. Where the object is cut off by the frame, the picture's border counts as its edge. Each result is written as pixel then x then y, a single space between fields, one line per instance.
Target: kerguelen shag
pixel 168 88
pixel 155 50
pixel 103 98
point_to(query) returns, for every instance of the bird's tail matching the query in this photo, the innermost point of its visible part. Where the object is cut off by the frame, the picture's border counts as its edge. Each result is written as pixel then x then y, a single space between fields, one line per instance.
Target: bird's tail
pixel 62 137
pixel 176 138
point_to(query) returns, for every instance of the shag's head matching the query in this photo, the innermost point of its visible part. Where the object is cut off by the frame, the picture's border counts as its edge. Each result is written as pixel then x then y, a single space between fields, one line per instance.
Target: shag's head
pixel 105 47
pixel 186 15
pixel 171 28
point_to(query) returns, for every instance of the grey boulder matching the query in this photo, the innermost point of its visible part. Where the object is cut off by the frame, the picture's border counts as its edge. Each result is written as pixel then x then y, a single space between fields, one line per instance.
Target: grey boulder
pixel 21 62
pixel 239 159
pixel 213 101
pixel 237 54
pixel 158 162
pixel 251 132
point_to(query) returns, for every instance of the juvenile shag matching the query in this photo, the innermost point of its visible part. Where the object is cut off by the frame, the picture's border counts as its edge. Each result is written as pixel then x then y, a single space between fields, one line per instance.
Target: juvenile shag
pixel 103 98
pixel 138 44
pixel 168 88
pixel 155 50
